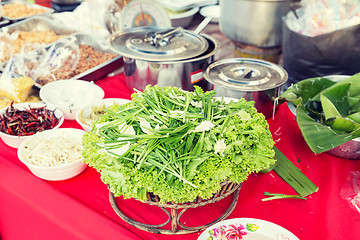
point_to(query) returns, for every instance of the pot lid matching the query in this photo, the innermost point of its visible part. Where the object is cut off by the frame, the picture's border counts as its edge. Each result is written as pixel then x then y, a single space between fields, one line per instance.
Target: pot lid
pixel 158 44
pixel 245 74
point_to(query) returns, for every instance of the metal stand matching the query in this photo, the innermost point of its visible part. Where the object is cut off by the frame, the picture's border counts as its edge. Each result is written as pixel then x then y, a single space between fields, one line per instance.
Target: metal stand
pixel 174 217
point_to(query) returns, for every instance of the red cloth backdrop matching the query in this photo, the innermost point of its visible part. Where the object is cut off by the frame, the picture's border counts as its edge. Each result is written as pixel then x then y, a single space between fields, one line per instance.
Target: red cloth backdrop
pixel 79 208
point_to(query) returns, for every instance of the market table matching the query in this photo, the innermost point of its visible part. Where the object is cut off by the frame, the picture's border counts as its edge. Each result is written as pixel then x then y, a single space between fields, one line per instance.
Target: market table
pixel 79 208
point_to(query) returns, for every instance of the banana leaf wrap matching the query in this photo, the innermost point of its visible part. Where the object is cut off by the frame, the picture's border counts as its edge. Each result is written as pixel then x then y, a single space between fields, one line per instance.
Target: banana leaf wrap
pixel 327 110
pixel 178 145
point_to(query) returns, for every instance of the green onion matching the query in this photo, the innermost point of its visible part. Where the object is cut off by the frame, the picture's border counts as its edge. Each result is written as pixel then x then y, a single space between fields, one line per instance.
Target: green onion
pixel 280 196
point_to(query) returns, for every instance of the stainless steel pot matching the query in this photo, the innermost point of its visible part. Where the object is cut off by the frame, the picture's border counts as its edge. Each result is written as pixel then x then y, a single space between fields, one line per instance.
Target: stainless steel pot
pixel 254 22
pixel 67 2
pixel 175 59
pixel 253 79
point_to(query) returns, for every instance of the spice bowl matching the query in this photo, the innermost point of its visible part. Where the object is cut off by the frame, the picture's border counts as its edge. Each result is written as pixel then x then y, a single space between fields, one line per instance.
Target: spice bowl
pixel 54 155
pixel 6 115
pixel 86 116
pixel 183 19
pixel 71 95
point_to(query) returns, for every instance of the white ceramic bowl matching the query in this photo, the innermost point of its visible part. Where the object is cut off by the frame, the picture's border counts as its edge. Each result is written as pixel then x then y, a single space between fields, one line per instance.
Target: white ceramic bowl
pixel 211 11
pixel 61 171
pixel 85 112
pixel 71 95
pixel 15 141
pixel 183 19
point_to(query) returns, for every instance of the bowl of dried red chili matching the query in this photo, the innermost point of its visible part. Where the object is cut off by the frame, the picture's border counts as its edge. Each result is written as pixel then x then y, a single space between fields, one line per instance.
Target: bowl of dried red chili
pixel 22 120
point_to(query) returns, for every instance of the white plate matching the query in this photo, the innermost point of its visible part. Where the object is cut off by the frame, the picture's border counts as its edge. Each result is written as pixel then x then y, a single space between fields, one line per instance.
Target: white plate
pixel 248 229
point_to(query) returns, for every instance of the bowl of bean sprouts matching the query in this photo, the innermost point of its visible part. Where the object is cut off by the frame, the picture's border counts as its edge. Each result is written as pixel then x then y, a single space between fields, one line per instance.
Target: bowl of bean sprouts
pixel 54 155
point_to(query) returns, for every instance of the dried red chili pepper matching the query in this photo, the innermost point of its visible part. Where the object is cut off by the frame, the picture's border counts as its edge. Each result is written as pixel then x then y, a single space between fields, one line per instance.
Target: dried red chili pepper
pixel 27 121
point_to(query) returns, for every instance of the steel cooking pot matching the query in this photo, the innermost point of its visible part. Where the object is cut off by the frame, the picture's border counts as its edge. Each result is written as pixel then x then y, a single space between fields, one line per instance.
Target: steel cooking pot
pixel 67 2
pixel 253 79
pixel 164 56
pixel 254 22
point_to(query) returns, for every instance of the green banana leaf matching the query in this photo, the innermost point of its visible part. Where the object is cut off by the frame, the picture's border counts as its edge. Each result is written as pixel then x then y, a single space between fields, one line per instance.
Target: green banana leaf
pixel 353 90
pixel 354 103
pixel 327 111
pixel 306 89
pixel 344 124
pixel 334 102
pixel 318 136
pixel 355 116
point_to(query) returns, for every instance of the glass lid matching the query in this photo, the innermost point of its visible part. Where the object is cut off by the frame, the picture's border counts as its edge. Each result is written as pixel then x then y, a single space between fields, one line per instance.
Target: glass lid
pixel 158 44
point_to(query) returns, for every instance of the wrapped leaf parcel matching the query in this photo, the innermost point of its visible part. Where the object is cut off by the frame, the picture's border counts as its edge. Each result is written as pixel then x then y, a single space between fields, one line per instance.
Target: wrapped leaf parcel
pixel 177 144
pixel 327 110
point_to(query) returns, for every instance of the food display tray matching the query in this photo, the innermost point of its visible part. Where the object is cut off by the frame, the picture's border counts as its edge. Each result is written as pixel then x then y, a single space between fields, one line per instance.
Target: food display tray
pixel 39 23
pixel 4 22
pixel 31 5
pixel 103 69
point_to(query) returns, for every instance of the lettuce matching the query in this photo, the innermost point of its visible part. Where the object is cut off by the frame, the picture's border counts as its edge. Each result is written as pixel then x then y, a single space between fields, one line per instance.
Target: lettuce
pixel 164 141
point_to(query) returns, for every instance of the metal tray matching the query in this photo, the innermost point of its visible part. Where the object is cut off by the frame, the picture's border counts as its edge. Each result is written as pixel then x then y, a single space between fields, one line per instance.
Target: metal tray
pixel 39 23
pixel 45 24
pixel 4 22
pixel 101 70
pixel 30 5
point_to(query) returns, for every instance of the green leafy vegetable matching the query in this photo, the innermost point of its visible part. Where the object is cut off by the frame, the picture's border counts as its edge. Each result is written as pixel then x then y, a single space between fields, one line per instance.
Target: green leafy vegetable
pixel 177 144
pixel 328 111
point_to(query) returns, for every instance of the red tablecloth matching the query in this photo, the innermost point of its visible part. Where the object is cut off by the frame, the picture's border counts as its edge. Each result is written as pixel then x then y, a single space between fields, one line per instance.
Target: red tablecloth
pixel 79 208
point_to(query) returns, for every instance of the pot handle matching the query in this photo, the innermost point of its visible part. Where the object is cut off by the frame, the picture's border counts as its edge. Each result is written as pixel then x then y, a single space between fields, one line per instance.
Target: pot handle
pixel 162 38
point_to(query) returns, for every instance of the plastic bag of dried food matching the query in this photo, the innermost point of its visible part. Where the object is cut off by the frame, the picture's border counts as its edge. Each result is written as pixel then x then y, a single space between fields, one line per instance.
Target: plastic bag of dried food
pixel 26 61
pixel 21 65
pixel 59 62
pixel 14 86
pixel 6 47
pixel 33 54
pixel 350 192
pixel 34 50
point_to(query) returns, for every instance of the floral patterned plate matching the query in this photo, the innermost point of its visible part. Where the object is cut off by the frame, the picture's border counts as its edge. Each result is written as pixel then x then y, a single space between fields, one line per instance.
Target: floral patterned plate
pixel 246 229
